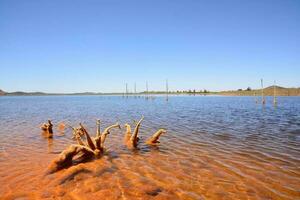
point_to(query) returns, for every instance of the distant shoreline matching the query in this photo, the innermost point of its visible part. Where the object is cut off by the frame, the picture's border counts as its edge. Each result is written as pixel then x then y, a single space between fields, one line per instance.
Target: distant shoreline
pixel 139 95
pixel 269 91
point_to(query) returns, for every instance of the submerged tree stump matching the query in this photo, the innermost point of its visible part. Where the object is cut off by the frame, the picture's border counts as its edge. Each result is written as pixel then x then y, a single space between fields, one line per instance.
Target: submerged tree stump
pixel 92 147
pixel 131 140
pixel 47 129
pixel 154 138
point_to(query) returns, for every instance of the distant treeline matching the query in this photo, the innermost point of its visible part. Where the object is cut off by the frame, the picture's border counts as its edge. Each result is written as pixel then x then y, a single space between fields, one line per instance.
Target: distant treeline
pixel 178 92
pixel 269 91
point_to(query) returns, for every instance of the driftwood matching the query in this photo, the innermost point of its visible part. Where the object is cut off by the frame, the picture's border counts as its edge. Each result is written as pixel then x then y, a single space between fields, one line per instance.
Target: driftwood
pixel 77 132
pixel 88 147
pixel 47 129
pixel 154 138
pixel 131 140
pixel 127 133
pixel 92 147
pixel 61 127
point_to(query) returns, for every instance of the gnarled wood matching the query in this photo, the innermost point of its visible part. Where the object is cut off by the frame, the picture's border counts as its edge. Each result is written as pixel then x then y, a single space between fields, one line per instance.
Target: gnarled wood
pixel 106 132
pixel 154 138
pixel 47 128
pixel 134 136
pixel 131 140
pixel 98 133
pixel 88 138
pixel 127 134
pixel 77 132
pixel 66 157
pixel 93 147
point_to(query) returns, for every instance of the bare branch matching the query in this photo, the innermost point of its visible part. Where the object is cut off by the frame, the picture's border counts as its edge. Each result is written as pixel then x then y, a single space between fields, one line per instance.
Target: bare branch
pixel 154 138
pixel 50 125
pixel 106 132
pixel 133 138
pixel 98 143
pixel 116 125
pixel 79 140
pixel 98 123
pixel 127 134
pixel 47 128
pixel 66 157
pixel 88 138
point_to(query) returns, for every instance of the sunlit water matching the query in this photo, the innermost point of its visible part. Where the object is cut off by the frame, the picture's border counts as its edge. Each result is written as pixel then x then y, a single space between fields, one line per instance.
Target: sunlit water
pixel 215 148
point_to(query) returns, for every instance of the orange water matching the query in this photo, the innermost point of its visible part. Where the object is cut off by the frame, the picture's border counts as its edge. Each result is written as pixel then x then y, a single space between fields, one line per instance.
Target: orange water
pixel 213 150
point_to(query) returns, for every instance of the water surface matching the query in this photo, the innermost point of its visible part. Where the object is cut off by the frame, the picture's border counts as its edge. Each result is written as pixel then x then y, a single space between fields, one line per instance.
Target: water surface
pixel 216 148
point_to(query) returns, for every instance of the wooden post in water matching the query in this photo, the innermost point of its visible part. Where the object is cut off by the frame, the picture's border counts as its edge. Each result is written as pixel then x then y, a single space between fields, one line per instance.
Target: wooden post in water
pixel 134 89
pixel 255 98
pixel 167 90
pixel 147 90
pixel 262 92
pixel 126 90
pixel 274 99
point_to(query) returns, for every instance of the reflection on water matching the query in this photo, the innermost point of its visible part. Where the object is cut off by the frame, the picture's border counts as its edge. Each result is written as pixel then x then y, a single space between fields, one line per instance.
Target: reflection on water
pixel 215 148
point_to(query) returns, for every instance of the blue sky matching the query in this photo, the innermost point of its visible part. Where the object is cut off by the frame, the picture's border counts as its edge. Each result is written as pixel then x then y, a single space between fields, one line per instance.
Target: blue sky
pixel 99 45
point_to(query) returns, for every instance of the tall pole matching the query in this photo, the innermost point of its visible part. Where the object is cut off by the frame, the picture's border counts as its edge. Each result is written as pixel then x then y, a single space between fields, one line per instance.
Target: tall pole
pixel 146 89
pixel 126 90
pixel 255 98
pixel 262 92
pixel 135 89
pixel 167 90
pixel 274 100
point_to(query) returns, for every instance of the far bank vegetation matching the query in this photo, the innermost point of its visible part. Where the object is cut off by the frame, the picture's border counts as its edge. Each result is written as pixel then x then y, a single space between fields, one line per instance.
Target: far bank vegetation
pixel 269 91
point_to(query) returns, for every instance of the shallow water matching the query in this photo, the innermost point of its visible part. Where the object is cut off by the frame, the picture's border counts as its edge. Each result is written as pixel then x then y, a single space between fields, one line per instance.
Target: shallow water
pixel 216 148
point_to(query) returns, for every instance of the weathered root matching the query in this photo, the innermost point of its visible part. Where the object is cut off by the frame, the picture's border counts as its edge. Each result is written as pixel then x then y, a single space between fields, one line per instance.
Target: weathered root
pixel 131 140
pixel 77 132
pixel 93 147
pixel 79 141
pixel 98 133
pixel 95 143
pixel 88 138
pixel 98 144
pixel 66 158
pixel 47 128
pixel 61 127
pixel 127 134
pixel 71 173
pixel 106 132
pixel 134 136
pixel 154 138
pixel 127 137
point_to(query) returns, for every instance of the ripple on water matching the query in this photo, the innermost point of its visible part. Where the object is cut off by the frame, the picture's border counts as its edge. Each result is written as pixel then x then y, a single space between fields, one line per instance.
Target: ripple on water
pixel 214 149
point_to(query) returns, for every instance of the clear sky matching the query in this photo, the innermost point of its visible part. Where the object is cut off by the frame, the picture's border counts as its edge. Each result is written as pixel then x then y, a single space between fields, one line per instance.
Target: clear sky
pixel 99 45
